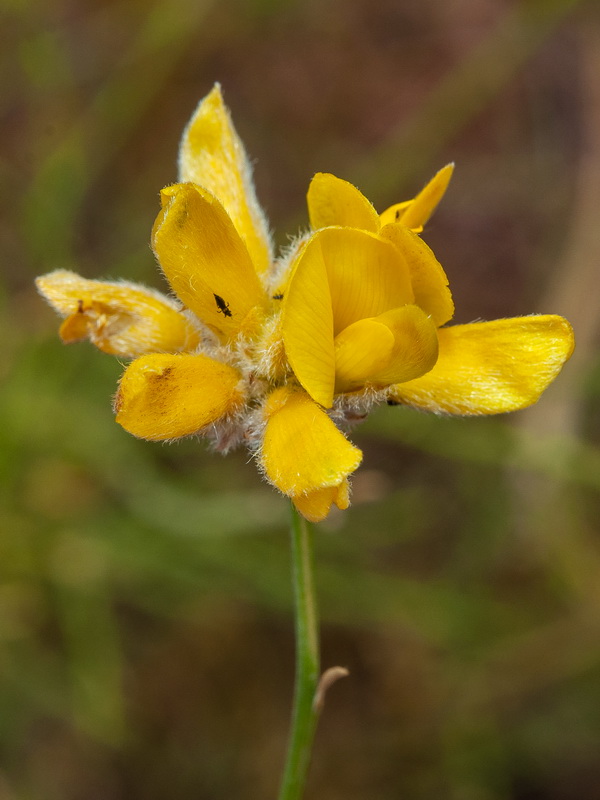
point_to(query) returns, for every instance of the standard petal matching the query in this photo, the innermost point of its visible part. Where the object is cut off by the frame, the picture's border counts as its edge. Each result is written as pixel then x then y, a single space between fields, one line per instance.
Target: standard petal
pixel 333 201
pixel 212 155
pixel 315 506
pixel 307 325
pixel 303 452
pixel 205 260
pixel 366 274
pixel 429 281
pixel 491 367
pixel 415 213
pixel 169 396
pixel 123 319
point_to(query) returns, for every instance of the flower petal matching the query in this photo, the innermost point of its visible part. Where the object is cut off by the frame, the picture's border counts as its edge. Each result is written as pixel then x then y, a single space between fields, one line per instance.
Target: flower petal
pixel 399 345
pixel 205 260
pixel 169 396
pixel 333 201
pixel 341 275
pixel 212 155
pixel 366 274
pixel 123 319
pixel 307 325
pixel 491 367
pixel 429 281
pixel 415 348
pixel 315 506
pixel 303 451
pixel 394 214
pixel 361 350
pixel 416 212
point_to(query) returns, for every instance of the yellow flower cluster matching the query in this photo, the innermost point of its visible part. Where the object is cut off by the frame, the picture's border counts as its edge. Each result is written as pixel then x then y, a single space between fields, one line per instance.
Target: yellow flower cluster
pixel 281 354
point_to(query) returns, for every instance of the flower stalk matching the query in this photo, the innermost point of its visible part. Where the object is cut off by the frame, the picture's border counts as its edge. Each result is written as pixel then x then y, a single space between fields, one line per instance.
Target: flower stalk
pixel 305 713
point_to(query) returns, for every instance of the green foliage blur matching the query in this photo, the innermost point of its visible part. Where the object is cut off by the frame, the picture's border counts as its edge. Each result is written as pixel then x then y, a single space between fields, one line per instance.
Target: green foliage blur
pixel 146 638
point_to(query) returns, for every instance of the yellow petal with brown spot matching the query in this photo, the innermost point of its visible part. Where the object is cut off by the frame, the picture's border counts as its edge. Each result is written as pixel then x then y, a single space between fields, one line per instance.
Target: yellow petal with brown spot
pixel 206 262
pixel 212 155
pixel 429 281
pixel 302 450
pixel 333 201
pixel 415 213
pixel 394 214
pixel 169 396
pixel 491 367
pixel 123 319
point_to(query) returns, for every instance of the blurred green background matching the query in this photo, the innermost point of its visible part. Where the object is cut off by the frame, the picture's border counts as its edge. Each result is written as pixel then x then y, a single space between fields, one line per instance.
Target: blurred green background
pixel 146 639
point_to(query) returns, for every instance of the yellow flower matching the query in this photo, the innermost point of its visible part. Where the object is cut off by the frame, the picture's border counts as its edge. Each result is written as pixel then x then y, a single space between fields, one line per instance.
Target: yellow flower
pixel 282 354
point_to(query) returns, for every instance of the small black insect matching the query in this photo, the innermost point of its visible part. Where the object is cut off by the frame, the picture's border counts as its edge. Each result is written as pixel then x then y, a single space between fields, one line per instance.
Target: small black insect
pixel 222 306
pixel 278 297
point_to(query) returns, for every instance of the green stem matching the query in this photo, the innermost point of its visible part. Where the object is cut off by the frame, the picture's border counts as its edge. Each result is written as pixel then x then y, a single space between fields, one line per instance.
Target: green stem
pixel 305 713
